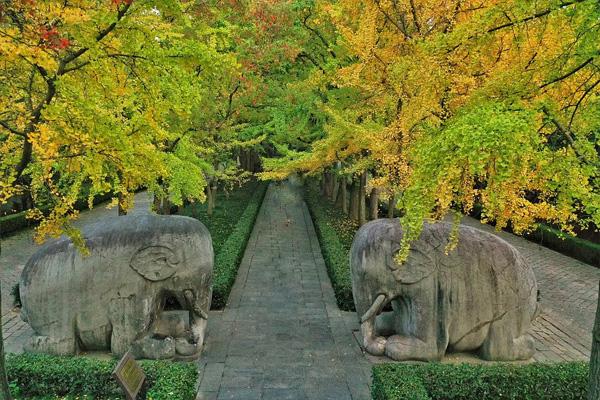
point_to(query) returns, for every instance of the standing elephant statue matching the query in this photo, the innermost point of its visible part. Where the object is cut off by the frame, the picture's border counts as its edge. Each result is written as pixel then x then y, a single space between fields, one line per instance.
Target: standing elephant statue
pixel 115 297
pixel 481 297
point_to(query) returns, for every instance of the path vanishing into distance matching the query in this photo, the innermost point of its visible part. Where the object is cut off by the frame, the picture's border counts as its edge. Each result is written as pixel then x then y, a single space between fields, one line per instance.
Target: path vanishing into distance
pixel 281 335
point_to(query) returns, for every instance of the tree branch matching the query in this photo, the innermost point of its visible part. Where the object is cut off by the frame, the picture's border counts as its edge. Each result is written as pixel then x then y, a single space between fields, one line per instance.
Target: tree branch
pixel 568 74
pixel 101 35
pixel 413 10
pixel 536 15
pixel 311 59
pixel 587 91
pixel 10 129
pixel 401 28
pixel 317 33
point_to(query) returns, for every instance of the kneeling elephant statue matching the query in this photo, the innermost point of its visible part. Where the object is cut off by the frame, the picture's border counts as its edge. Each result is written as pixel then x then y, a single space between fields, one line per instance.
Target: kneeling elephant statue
pixel 125 295
pixel 482 296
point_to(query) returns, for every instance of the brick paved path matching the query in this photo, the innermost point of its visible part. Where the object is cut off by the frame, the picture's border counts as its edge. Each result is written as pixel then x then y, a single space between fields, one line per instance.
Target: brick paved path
pixel 282 336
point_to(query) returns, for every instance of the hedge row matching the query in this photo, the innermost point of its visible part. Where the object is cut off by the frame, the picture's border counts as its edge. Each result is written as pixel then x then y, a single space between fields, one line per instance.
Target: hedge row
pixel 45 376
pixel 230 226
pixel 581 249
pixel 572 246
pixel 229 257
pixel 434 381
pixel 13 222
pixel 335 245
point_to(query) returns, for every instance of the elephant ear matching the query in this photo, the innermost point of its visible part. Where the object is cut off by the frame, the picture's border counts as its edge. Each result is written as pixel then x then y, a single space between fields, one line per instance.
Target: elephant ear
pixel 154 263
pixel 419 265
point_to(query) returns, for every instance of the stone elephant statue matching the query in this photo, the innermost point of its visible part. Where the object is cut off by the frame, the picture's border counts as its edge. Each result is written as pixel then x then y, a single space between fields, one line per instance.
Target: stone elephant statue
pixel 125 294
pixel 481 297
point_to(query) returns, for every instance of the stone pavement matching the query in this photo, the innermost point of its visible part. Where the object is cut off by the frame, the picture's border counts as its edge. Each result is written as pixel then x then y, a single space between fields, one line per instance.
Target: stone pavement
pixel 281 335
pixel 16 250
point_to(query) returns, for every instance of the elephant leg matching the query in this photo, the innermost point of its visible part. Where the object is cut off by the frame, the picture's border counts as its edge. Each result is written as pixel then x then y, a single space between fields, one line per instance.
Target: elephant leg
pixel 401 348
pixel 52 345
pixel 372 343
pixel 423 336
pixel 502 345
pixel 128 323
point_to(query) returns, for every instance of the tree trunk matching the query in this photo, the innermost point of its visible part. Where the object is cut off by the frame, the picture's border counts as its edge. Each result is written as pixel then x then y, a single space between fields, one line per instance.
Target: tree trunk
pixel 327 184
pixel 121 210
pixel 211 199
pixel 4 389
pixel 391 206
pixel 342 197
pixel 166 206
pixel 374 204
pixel 354 199
pixel 156 204
pixel 362 206
pixel 336 189
pixel 594 382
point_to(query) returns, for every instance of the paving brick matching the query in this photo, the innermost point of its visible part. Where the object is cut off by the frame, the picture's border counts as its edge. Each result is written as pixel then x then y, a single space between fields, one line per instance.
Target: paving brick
pixel 280 333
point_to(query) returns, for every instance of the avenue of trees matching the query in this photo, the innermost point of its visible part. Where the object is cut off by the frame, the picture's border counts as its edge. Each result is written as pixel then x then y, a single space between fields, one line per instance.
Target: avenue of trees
pixel 431 107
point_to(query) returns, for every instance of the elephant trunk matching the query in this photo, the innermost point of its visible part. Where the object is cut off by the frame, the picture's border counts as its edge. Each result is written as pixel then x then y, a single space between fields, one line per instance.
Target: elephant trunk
pixel 193 303
pixel 199 316
pixel 375 308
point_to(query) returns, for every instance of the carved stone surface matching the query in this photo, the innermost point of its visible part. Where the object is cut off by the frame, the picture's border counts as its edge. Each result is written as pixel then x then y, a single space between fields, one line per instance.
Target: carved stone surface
pixel 115 298
pixel 480 297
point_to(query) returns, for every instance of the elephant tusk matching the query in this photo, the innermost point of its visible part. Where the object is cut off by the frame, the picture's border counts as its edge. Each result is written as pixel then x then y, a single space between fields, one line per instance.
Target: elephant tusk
pixel 374 309
pixel 190 298
pixel 200 312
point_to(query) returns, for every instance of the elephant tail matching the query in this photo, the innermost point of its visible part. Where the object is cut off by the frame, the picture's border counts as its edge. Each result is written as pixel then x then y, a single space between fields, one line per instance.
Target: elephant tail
pixel 374 309
pixel 23 315
pixel 538 307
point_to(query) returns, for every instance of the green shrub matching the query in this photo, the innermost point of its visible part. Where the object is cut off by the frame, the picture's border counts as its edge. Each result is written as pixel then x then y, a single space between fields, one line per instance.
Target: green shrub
pixel 390 383
pixel 230 255
pixel 335 232
pixel 45 376
pixel 13 222
pixel 572 246
pixel 536 381
pixel 170 380
pixel 230 227
pixel 578 248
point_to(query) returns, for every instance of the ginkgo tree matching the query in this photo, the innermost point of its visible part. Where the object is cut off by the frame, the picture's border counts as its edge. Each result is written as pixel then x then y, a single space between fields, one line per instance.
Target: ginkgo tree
pixel 101 95
pixel 459 103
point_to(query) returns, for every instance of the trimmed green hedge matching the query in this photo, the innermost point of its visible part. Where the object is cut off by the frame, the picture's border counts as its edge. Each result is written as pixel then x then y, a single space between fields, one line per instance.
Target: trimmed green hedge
pixel 14 222
pixel 572 246
pixel 434 381
pixel 578 248
pixel 230 227
pixel 44 376
pixel 335 232
pixel 228 260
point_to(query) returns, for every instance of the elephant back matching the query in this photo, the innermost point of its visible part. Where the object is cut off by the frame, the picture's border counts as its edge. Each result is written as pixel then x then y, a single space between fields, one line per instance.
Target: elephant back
pixel 59 276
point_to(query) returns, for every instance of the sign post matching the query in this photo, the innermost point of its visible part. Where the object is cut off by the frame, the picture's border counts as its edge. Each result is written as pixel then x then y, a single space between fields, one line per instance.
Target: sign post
pixel 129 375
